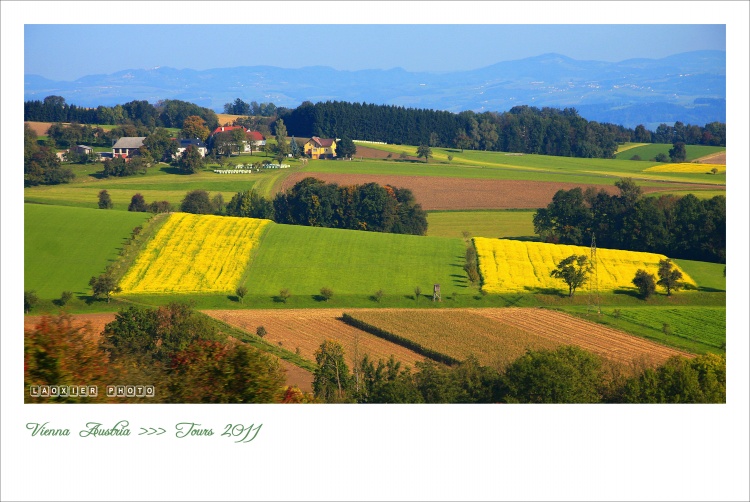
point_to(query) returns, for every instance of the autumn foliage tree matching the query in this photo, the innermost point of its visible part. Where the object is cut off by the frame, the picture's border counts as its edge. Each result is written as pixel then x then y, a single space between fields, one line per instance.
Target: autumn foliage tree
pixel 59 352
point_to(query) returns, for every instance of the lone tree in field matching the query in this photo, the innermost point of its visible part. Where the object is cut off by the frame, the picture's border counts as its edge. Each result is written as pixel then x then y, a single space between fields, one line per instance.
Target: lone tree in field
pixel 105 201
pixel 677 153
pixel 241 292
pixel 326 293
pixel 669 277
pixel 645 282
pixel 104 285
pixel 138 204
pixel 424 151
pixel 191 161
pixel 573 271
pixel 284 295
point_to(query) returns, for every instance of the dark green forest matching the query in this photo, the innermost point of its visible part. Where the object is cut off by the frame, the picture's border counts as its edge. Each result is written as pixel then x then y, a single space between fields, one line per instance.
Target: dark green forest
pixel 679 227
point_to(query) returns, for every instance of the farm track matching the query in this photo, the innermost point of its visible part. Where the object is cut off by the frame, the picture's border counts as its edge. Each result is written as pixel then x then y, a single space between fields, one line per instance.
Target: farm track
pixel 447 193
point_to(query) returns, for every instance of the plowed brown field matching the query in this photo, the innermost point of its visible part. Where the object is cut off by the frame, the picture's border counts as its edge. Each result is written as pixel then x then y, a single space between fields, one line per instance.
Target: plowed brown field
pixel 96 321
pixel 715 158
pixel 568 330
pixel 434 192
pixel 307 328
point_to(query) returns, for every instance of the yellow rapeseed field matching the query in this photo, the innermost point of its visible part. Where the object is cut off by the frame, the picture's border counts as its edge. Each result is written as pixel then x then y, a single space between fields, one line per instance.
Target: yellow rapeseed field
pixel 195 253
pixel 686 167
pixel 517 266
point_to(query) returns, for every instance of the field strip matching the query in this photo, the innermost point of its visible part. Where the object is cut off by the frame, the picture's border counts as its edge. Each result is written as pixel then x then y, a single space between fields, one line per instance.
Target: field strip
pixel 306 329
pixel 569 330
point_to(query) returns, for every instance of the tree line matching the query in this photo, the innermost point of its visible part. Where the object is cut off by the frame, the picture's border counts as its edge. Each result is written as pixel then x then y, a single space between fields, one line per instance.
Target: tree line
pixel 165 113
pixel 312 202
pixel 679 227
pixel 522 129
pixel 567 374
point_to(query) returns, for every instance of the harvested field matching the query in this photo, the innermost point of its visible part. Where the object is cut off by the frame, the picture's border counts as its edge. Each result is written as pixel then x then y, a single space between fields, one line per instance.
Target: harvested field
pixel 308 328
pixel 461 193
pixel 458 333
pixel 96 321
pixel 40 128
pixel 716 158
pixel 227 119
pixel 565 329
pixel 374 153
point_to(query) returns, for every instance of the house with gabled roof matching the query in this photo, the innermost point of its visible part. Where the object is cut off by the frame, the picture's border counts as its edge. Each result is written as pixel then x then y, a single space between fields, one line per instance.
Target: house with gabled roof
pixel 195 143
pixel 254 138
pixel 127 146
pixel 319 148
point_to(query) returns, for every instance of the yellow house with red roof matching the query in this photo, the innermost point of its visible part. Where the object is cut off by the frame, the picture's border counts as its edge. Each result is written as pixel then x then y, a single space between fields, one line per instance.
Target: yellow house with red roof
pixel 318 148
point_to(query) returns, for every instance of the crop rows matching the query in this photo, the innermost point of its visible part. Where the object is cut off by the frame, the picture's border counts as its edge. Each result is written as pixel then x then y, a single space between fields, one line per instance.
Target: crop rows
pixel 521 266
pixel 458 334
pixel 307 329
pixel 701 324
pixel 195 253
pixel 568 330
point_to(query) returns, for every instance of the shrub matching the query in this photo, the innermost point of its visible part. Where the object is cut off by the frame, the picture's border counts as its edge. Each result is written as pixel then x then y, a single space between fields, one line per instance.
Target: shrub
pixel 261 331
pixel 65 297
pixel 635 157
pixel 284 295
pixel 417 293
pixel 326 293
pixel 241 292
pixel 662 157
pixel 29 300
pixel 645 282
pixel 378 295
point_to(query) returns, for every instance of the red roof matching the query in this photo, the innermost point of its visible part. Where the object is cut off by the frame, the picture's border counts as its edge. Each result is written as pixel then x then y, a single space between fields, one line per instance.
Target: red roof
pixel 226 128
pixel 255 136
pixel 322 142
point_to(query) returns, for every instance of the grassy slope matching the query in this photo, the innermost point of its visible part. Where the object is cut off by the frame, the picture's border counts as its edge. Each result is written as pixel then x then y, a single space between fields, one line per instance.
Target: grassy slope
pixel 649 151
pixel 305 259
pixel 64 247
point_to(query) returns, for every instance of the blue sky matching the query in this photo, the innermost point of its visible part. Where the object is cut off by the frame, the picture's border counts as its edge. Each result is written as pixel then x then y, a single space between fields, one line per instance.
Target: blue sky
pixel 67 52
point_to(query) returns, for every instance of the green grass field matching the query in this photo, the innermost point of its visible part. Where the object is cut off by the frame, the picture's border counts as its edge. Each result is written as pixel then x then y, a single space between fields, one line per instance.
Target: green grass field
pixel 697 329
pixel 649 151
pixel 502 224
pixel 306 259
pixel 65 246
pixel 709 276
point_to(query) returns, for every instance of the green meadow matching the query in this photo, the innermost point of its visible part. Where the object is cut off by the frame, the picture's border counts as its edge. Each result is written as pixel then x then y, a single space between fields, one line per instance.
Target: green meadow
pixel 306 259
pixel 651 150
pixel 502 224
pixel 65 246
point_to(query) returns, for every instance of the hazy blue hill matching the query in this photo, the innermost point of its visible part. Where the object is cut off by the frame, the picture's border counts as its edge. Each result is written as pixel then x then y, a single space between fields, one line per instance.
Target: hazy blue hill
pixel 690 87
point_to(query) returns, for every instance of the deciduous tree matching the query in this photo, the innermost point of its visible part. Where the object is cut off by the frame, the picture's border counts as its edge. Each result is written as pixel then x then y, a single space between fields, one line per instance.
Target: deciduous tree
pixel 105 201
pixel 138 204
pixel 424 151
pixel 103 286
pixel 573 271
pixel 669 276
pixel 645 282
pixel 332 378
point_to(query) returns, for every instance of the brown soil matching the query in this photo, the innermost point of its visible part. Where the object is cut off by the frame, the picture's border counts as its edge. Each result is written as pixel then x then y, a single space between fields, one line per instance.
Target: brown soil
pixel 373 153
pixel 715 158
pixel 95 321
pixel 434 192
pixel 306 329
pixel 565 329
pixel 40 128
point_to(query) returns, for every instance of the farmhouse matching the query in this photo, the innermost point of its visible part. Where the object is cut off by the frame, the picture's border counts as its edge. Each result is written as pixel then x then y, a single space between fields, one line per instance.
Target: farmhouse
pixel 254 138
pixel 83 149
pixel 127 147
pixel 318 148
pixel 196 143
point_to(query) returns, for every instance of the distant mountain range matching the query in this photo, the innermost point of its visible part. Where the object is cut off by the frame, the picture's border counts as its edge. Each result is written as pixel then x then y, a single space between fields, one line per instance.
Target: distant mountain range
pixel 688 87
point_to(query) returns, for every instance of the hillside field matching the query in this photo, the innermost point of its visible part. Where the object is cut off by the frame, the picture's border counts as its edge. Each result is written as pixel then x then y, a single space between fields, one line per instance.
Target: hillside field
pixel 65 246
